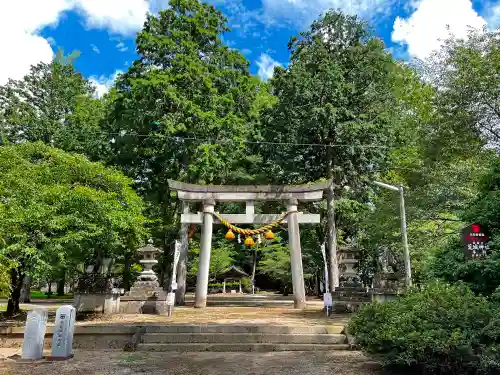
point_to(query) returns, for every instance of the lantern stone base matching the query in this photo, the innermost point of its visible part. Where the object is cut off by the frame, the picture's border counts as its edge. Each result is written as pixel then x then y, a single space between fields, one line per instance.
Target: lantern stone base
pixel 97 303
pixel 384 295
pixel 145 298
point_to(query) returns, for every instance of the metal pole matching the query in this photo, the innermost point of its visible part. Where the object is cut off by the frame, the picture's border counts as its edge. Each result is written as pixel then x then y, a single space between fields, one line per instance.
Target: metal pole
pixel 404 236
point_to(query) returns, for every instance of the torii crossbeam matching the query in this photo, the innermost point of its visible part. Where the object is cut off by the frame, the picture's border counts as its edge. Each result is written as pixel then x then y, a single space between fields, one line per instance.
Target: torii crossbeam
pixel 209 195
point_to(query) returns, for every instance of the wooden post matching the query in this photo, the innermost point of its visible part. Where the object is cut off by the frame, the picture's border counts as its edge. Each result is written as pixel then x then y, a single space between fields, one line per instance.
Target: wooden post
pixel 299 291
pixel 224 286
pixel 204 259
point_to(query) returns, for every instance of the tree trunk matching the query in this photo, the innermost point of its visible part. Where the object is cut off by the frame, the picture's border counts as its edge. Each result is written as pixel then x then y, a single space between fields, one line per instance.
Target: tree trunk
pixel 317 284
pixel 17 279
pixel 49 290
pixel 285 290
pixel 182 263
pixel 331 243
pixel 126 272
pixel 61 283
pixel 26 290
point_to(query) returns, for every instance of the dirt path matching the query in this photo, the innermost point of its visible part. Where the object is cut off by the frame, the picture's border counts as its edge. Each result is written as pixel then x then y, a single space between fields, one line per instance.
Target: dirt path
pixel 232 315
pixel 120 363
pixel 313 315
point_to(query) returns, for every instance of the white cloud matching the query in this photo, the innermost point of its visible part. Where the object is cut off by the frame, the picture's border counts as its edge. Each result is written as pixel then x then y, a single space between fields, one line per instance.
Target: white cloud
pixel 22 20
pixel 266 66
pixel 51 41
pixel 492 15
pixel 104 83
pixel 121 47
pixel 304 11
pixel 119 16
pixel 20 42
pixel 432 22
pixel 95 49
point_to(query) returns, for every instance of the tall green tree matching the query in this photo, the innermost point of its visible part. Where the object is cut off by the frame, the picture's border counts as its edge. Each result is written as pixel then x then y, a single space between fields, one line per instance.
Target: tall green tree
pixel 60 210
pixel 184 109
pixel 336 102
pixel 54 104
pixel 465 73
pixel 443 152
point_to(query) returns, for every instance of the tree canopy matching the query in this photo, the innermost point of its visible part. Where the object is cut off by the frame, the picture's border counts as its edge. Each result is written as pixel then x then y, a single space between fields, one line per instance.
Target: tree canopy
pixel 60 209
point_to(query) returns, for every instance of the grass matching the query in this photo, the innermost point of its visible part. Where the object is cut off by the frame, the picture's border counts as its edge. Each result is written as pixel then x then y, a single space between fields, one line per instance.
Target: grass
pixel 38 294
pixel 131 358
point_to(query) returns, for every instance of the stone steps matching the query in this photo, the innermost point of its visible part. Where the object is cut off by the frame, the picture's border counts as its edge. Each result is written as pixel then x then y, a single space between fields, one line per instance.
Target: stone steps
pixel 241 338
pixel 245 301
pixel 244 329
pixel 238 347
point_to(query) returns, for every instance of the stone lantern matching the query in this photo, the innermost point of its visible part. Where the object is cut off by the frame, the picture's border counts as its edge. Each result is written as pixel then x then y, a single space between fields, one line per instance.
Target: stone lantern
pixel 146 296
pixel 148 276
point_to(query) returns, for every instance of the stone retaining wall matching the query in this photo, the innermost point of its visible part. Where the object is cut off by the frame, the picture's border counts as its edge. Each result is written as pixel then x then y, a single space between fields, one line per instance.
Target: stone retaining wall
pixel 86 337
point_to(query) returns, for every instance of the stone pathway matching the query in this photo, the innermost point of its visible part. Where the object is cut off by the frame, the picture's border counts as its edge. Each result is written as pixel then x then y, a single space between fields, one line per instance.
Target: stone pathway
pixel 313 315
pixel 120 363
pixel 232 315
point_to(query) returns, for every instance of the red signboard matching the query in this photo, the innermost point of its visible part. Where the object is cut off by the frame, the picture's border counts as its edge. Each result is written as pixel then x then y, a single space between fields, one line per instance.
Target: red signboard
pixel 475 241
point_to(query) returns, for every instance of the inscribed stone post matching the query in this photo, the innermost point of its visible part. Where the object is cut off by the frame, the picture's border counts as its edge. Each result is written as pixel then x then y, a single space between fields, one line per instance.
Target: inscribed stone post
pixel 62 340
pixel 34 334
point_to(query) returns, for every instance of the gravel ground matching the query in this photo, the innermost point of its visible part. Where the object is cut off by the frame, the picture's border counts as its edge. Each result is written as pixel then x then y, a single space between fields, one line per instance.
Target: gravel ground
pixel 231 315
pixel 120 363
pixel 312 315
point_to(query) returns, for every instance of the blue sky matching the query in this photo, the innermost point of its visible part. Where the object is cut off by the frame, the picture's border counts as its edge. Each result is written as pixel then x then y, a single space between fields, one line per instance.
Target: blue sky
pixel 104 30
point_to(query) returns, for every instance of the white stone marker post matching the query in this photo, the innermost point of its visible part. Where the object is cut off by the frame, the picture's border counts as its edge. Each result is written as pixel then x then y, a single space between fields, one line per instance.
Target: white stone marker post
pixel 62 340
pixel 34 334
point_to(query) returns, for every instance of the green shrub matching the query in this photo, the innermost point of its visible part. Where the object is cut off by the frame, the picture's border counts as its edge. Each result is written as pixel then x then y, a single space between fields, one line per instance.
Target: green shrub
pixel 442 329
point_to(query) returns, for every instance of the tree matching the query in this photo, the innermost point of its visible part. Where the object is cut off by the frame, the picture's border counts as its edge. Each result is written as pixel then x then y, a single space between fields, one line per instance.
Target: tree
pixel 220 259
pixel 440 180
pixel 450 262
pixel 275 262
pixel 465 72
pixel 336 100
pixel 189 97
pixel 60 210
pixel 53 104
pixel 184 109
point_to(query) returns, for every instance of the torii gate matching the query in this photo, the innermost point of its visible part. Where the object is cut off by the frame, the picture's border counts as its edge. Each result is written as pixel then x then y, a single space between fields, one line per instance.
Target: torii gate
pixel 210 195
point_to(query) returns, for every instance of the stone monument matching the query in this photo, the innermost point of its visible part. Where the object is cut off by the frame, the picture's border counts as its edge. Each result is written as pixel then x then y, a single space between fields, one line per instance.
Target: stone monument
pixel 62 340
pixel 34 334
pixel 351 294
pixel 389 279
pixel 146 296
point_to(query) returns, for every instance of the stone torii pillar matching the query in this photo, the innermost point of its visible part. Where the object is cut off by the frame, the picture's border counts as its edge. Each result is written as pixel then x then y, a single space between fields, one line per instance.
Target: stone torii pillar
pixel 205 249
pixel 299 290
pixel 209 195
